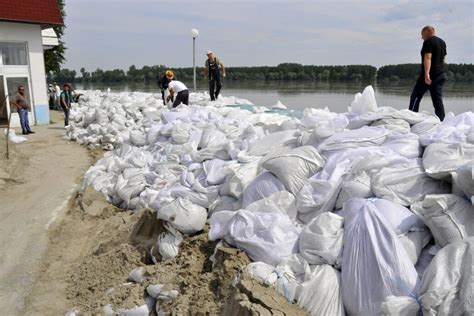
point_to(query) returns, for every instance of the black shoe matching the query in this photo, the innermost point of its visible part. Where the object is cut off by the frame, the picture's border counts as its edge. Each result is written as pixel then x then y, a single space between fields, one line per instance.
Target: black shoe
pixel 30 132
pixel 212 99
pixel 25 133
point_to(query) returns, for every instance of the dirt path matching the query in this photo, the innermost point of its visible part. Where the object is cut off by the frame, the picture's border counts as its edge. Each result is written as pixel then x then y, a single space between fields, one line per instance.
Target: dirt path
pixel 35 186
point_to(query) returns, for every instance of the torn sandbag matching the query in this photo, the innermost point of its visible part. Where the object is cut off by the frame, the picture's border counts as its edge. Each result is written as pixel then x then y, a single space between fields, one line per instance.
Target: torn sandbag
pixel 266 237
pixel 185 216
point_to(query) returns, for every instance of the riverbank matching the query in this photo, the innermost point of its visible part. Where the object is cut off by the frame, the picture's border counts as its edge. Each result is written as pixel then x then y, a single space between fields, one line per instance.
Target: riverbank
pixel 41 175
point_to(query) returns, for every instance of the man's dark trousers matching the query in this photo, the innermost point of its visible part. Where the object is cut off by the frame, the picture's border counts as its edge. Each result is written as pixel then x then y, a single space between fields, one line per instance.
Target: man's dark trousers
pixel 436 91
pixel 215 83
pixel 182 97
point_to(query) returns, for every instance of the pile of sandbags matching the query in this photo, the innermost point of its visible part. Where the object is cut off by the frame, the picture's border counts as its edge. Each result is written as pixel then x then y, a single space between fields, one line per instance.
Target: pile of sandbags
pixel 347 212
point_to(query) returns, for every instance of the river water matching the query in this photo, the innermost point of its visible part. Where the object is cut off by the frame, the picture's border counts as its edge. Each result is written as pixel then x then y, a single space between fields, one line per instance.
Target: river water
pixel 337 96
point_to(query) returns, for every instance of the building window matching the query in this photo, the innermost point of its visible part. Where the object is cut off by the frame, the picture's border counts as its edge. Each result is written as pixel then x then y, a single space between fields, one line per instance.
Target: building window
pixel 13 53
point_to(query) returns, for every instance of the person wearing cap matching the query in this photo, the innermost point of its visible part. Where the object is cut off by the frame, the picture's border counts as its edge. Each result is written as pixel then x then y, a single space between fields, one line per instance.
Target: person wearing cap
pixel 164 81
pixel 66 100
pixel 212 71
pixel 181 91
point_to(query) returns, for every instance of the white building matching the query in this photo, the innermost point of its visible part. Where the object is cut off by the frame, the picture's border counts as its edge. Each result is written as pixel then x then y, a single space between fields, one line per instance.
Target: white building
pixel 22 26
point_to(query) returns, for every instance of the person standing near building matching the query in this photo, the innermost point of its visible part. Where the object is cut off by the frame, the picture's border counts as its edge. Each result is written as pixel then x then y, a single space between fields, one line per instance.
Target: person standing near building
pixel 23 107
pixel 181 91
pixel 164 81
pixel 433 75
pixel 212 71
pixel 57 89
pixel 66 100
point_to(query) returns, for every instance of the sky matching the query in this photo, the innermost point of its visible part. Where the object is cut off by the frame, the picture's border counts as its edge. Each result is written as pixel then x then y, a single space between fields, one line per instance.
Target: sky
pixel 113 34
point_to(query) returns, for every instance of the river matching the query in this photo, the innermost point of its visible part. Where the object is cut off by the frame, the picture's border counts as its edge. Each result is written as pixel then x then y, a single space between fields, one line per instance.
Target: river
pixel 458 97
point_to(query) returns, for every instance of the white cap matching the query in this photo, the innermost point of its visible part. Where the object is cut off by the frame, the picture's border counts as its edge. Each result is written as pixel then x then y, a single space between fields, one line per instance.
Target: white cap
pixel 209 52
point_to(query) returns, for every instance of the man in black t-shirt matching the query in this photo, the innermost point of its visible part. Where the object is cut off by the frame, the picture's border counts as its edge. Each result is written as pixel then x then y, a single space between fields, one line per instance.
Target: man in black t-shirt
pixel 432 76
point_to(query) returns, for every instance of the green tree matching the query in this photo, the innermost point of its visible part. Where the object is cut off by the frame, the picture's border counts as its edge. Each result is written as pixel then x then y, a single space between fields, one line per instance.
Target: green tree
pixel 54 57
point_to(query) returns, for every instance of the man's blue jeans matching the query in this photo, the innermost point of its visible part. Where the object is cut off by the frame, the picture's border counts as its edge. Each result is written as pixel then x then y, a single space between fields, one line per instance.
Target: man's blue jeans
pixel 436 91
pixel 25 125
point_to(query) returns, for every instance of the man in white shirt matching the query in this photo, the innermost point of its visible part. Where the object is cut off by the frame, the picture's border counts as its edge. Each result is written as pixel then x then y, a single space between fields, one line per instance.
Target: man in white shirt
pixel 181 91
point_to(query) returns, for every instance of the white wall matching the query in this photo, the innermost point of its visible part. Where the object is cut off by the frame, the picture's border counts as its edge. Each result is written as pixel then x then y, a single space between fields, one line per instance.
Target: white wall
pixel 30 33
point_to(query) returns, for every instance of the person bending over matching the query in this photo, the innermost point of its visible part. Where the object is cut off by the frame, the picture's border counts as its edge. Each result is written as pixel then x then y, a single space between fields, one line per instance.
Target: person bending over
pixel 181 91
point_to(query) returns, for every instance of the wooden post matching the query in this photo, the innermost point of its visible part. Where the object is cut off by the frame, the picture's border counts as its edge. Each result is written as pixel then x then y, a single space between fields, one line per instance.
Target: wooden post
pixel 8 126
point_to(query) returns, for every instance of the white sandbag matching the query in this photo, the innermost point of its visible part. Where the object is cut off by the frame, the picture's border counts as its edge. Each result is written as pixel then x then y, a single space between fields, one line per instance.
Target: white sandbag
pixel 374 263
pixel 354 186
pixel 321 239
pixel 295 167
pixel 414 241
pixel 321 294
pixel 396 125
pixel 400 306
pixel 364 102
pixel 142 310
pixel 463 181
pixel 448 216
pixel 215 171
pixel 137 138
pixel 447 285
pixel 14 138
pixel 224 203
pixel 264 185
pixel 404 144
pixel 440 159
pixel 237 180
pixel 292 272
pixel 168 243
pixel 425 258
pixel 261 272
pixel 282 202
pixel 406 183
pixel 183 215
pixel 180 133
pixel 400 218
pixel 137 275
pixel 212 138
pixel 454 129
pixel 162 292
pixel 266 237
pixel 273 140
pixel 362 137
pixel 279 106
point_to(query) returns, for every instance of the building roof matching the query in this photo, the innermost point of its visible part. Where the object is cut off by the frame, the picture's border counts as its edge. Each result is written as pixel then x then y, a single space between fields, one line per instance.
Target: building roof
pixel 44 12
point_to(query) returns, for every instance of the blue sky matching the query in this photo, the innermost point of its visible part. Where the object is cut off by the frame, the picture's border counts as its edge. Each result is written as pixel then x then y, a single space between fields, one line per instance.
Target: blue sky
pixel 116 34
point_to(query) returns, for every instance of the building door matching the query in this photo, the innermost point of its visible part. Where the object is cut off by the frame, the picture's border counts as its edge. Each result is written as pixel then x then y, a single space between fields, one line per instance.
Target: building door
pixel 3 103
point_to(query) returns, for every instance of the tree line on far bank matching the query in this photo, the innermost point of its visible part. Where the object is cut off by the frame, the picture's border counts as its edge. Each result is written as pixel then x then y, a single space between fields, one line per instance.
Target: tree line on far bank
pixel 285 72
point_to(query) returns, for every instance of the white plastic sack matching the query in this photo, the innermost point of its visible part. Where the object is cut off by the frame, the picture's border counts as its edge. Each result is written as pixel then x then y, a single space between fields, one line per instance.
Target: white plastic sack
pixel 282 202
pixel 448 216
pixel 215 171
pixel 400 306
pixel 321 239
pixel 440 159
pixel 264 185
pixel 14 138
pixel 266 237
pixel 447 285
pixel 183 215
pixel 212 138
pixel 261 272
pixel 321 295
pixel 404 144
pixel 463 181
pixel 364 102
pixel 237 180
pixel 295 167
pixel 274 140
pixel 168 243
pixel 406 183
pixel 374 263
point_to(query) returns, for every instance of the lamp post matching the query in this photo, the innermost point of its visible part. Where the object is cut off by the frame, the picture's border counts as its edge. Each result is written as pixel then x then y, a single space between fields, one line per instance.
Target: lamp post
pixel 194 34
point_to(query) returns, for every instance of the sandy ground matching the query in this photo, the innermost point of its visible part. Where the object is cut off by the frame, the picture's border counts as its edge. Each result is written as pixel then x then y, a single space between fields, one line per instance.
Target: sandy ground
pixel 35 185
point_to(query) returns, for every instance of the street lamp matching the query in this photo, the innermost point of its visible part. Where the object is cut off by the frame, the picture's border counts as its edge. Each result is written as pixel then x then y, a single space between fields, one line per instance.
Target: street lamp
pixel 194 34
